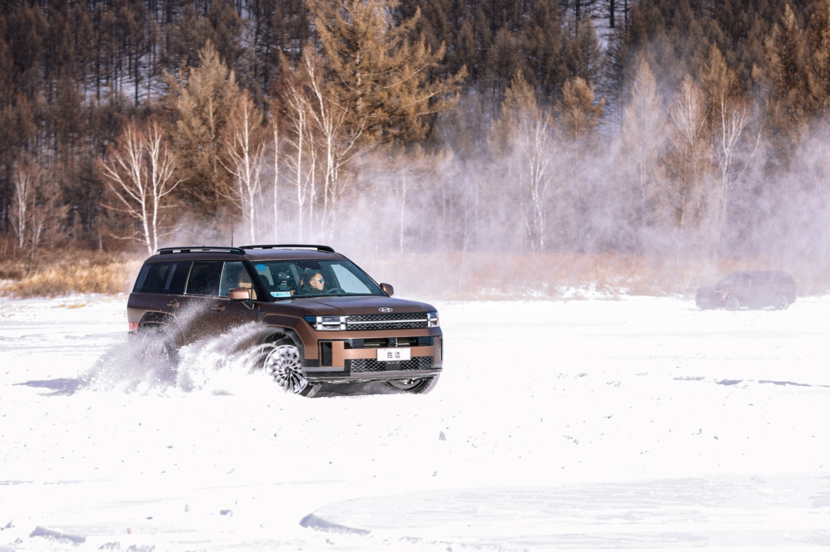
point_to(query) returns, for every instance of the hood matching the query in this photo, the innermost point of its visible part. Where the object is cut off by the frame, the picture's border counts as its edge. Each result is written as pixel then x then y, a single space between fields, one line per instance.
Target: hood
pixel 339 306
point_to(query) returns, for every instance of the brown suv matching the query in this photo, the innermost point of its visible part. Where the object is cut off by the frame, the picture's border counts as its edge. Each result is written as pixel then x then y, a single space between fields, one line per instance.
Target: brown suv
pixel 317 317
pixel 749 289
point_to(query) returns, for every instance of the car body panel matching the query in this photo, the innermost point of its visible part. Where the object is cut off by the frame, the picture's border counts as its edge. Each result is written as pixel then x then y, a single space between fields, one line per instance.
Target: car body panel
pixel 327 355
pixel 752 288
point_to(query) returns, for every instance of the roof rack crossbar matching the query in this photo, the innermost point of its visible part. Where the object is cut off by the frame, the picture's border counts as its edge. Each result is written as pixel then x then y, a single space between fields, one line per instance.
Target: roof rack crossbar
pixel 197 248
pixel 289 246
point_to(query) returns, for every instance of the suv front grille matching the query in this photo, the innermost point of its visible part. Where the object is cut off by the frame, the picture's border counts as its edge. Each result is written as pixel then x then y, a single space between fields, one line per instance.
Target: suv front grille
pixel 372 365
pixel 398 321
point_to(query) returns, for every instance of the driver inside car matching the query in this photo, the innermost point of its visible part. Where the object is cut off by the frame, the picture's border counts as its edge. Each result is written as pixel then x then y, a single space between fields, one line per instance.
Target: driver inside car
pixel 312 283
pixel 317 282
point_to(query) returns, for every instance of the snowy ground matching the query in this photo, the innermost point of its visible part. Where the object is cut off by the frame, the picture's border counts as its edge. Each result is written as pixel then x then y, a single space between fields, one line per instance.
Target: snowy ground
pixel 641 423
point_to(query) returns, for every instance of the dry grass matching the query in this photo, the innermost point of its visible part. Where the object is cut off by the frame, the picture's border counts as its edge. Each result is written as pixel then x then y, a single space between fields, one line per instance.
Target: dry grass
pixel 58 273
pixel 441 276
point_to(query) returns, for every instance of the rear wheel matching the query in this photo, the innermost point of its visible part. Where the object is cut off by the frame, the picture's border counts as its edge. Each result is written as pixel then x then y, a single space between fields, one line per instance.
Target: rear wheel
pixel 415 386
pixel 781 302
pixel 733 303
pixel 158 346
pixel 282 362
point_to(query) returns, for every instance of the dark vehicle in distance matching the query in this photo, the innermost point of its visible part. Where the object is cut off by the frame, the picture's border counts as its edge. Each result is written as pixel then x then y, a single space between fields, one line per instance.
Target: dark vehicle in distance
pixel 314 316
pixel 749 289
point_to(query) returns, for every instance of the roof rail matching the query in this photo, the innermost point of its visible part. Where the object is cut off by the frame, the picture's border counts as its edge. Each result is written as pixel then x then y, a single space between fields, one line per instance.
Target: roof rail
pixel 290 246
pixel 198 248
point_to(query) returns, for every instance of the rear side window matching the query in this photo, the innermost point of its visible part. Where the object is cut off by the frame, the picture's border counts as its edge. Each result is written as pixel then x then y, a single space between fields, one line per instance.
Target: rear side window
pixel 204 278
pixel 166 278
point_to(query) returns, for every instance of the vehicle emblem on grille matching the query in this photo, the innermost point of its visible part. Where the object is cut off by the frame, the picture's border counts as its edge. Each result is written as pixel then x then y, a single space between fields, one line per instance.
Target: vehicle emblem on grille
pixel 385 309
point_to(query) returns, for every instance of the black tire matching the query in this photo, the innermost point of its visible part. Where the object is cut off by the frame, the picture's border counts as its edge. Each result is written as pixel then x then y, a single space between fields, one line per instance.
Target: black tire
pixel 281 361
pixel 733 303
pixel 157 346
pixel 781 302
pixel 414 386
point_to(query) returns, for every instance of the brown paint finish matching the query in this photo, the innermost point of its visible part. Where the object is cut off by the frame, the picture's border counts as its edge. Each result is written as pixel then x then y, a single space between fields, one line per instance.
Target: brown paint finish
pixel 204 306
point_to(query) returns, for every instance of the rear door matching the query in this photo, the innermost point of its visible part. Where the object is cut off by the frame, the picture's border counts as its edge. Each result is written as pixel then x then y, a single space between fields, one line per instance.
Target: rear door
pixel 207 312
pixel 158 291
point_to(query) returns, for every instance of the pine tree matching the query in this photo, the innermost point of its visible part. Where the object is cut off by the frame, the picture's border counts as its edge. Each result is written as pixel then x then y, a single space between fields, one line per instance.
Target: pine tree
pixel 642 139
pixel 200 104
pixel 818 43
pixel 785 83
pixel 688 159
pixel 382 76
pixel 524 136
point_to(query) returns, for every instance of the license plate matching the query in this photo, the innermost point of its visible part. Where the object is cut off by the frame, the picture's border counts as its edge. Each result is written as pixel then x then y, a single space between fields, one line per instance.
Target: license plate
pixel 394 355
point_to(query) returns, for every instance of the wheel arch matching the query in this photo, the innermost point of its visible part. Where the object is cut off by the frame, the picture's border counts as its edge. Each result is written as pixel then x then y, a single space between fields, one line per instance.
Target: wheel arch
pixel 155 318
pixel 270 334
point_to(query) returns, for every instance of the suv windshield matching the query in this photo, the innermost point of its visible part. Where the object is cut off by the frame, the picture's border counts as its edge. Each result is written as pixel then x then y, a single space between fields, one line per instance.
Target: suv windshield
pixel 311 278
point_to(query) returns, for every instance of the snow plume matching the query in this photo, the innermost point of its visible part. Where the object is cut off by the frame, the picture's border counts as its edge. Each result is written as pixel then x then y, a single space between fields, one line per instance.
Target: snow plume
pixel 216 366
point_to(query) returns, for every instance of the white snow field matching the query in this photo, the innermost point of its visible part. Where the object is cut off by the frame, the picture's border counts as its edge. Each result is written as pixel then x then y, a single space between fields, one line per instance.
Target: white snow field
pixel 639 423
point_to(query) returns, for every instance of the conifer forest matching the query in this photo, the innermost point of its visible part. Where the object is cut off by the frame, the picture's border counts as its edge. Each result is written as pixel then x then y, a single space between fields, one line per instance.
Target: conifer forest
pixel 697 129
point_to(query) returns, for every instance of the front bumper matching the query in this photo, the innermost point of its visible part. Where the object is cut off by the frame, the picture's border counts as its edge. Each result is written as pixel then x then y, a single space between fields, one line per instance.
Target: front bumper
pixel 374 376
pixel 710 301
pixel 353 357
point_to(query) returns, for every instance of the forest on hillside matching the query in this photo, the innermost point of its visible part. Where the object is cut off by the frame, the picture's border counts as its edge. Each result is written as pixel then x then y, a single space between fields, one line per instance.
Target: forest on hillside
pixel 693 128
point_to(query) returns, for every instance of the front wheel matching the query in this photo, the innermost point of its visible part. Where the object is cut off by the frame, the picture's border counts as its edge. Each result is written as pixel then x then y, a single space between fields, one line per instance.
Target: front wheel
pixel 733 303
pixel 415 386
pixel 781 302
pixel 282 362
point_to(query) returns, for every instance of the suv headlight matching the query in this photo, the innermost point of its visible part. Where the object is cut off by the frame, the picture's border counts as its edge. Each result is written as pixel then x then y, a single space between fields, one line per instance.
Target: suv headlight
pixel 432 320
pixel 327 323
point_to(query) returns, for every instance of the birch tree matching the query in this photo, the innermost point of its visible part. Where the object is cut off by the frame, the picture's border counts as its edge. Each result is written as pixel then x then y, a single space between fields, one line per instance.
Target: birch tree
pixel 276 147
pixel 140 174
pixel 245 154
pixel 527 133
pixel 734 117
pixel 25 177
pixel 689 150
pixel 729 115
pixel 38 209
pixel 300 142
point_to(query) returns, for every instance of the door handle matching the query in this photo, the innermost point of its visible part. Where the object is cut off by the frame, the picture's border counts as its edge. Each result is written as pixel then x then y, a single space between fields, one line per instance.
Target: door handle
pixel 218 308
pixel 173 304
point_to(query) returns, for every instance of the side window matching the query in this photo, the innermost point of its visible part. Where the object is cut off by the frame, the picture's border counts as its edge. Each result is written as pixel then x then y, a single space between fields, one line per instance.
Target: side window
pixel 142 277
pixel 265 275
pixel 347 281
pixel 162 278
pixel 234 276
pixel 204 278
pixel 178 278
pixel 153 277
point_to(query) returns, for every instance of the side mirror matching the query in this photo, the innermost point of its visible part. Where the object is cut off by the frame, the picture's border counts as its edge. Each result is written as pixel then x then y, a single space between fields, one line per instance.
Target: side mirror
pixel 388 289
pixel 239 294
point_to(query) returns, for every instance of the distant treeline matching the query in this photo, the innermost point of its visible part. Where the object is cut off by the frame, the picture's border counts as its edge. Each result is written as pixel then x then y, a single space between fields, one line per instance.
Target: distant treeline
pixel 686 127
